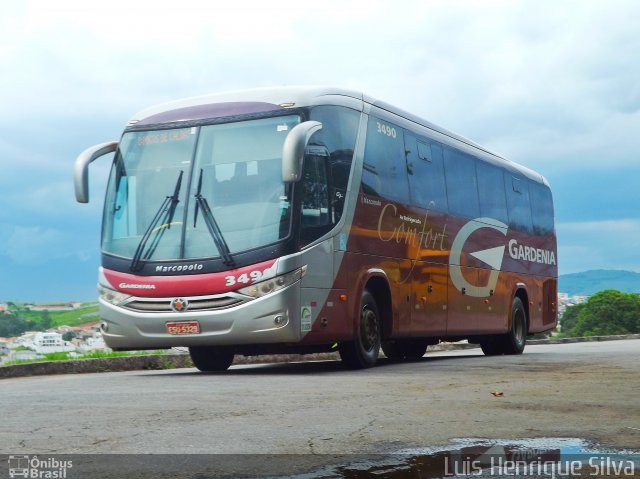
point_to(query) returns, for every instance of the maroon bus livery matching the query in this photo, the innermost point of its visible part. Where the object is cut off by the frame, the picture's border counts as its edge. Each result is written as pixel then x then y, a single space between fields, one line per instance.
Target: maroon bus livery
pixel 299 220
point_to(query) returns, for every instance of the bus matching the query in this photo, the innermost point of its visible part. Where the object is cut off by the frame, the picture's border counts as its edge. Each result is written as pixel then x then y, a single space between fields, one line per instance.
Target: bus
pixel 306 219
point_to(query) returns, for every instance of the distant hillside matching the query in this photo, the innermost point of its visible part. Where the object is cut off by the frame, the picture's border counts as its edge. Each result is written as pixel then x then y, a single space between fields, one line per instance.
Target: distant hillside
pixel 590 282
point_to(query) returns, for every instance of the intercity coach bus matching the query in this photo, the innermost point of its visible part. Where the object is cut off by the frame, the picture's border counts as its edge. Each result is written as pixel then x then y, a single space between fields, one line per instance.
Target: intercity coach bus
pixel 299 220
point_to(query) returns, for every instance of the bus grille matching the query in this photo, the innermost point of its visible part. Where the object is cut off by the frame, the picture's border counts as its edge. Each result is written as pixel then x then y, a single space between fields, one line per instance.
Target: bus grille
pixel 197 304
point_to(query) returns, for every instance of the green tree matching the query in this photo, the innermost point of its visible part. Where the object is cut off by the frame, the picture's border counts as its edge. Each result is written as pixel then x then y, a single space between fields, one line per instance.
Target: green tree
pixel 570 317
pixel 68 336
pixel 608 312
pixel 11 325
pixel 45 320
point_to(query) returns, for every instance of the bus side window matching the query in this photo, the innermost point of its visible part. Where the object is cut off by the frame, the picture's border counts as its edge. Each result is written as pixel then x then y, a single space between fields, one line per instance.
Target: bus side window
pixel 426 173
pixel 493 202
pixel 518 205
pixel 385 169
pixel 541 208
pixel 462 183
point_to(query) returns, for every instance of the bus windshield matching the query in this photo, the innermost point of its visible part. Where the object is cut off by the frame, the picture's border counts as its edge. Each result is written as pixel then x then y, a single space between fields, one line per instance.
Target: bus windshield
pixel 198 192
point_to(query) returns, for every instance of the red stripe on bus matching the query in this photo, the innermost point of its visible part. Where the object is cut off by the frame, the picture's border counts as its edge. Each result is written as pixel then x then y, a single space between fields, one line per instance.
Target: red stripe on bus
pixel 190 285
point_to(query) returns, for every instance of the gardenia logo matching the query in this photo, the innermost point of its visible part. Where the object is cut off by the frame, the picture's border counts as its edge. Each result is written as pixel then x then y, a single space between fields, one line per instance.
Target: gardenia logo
pixel 528 253
pixel 492 257
pixel 137 286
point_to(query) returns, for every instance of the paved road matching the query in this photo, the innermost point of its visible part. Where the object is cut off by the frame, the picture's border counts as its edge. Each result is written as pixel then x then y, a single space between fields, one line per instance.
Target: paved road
pixel 585 390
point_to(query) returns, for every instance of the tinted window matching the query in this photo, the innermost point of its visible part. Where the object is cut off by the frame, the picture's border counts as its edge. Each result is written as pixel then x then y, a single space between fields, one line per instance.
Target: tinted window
pixel 385 170
pixel 426 173
pixel 462 187
pixel 518 202
pixel 541 208
pixel 493 203
pixel 338 137
pixel 315 194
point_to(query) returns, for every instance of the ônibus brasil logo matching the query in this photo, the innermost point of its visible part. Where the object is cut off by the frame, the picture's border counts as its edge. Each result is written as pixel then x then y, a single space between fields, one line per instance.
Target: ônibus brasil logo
pixel 38 467
pixel 491 256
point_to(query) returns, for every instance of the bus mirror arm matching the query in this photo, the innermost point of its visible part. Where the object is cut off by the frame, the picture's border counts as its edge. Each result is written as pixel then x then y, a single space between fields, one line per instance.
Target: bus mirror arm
pixel 81 172
pixel 293 150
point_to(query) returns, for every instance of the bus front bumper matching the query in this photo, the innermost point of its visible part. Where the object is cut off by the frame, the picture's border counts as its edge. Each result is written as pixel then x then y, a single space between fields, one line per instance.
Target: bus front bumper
pixel 274 318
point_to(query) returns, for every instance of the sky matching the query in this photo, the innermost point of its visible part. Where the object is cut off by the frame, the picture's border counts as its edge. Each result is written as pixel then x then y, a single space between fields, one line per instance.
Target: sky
pixel 553 85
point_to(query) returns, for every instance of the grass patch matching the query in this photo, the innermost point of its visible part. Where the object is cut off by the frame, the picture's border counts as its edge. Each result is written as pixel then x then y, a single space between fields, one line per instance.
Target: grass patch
pixel 55 357
pixel 84 314
pixel 116 354
pixel 92 355
pixel 76 316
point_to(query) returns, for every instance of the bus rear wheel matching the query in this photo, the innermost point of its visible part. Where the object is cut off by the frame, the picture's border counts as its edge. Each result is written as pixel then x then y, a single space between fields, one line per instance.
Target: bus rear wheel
pixel 209 359
pixel 514 341
pixel 363 351
pixel 516 338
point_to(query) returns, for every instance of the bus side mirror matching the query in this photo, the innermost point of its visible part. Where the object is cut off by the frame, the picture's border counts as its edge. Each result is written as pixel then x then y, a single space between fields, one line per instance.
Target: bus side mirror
pixel 293 150
pixel 81 173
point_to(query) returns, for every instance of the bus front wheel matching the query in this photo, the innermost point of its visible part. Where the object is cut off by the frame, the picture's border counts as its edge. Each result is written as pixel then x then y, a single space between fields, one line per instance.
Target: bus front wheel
pixel 208 359
pixel 363 351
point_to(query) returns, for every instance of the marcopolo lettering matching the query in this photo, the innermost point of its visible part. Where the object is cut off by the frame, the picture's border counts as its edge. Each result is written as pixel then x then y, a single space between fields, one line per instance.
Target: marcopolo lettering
pixel 369 201
pixel 528 253
pixel 179 267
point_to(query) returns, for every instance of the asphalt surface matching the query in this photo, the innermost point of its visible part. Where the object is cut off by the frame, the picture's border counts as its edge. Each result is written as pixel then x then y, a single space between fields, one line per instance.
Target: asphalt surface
pixel 583 390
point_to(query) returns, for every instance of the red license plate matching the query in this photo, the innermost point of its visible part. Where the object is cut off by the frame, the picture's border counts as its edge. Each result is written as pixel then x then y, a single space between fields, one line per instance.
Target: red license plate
pixel 183 327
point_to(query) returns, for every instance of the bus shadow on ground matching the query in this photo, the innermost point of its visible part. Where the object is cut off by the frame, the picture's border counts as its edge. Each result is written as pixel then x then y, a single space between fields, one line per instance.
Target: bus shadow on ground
pixel 310 367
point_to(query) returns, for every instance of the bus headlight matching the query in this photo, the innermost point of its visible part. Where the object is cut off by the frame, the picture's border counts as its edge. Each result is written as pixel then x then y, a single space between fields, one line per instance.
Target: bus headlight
pixel 269 286
pixel 112 296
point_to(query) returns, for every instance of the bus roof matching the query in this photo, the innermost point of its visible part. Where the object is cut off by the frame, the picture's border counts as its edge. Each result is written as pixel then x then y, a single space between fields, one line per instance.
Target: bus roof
pixel 256 100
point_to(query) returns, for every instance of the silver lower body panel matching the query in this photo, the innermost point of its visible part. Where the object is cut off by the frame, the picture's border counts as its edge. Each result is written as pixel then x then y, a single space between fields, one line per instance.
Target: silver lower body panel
pixel 251 322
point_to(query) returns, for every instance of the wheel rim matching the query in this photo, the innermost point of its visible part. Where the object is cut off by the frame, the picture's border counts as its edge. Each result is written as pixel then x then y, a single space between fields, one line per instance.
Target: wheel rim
pixel 368 329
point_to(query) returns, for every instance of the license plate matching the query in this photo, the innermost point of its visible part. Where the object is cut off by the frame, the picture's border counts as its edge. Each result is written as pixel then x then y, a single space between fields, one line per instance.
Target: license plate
pixel 183 327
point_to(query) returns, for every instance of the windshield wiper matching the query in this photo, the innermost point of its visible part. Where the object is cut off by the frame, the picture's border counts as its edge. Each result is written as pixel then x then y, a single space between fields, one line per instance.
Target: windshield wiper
pixel 212 224
pixel 164 217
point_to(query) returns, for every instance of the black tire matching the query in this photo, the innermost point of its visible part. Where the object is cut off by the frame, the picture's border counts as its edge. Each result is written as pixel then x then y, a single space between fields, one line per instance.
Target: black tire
pixel 363 351
pixel 491 347
pixel 405 349
pixel 392 350
pixel 209 359
pixel 515 340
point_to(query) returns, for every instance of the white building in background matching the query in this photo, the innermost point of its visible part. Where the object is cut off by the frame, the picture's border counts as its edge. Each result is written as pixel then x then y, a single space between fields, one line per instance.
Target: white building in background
pixel 54 307
pixel 50 342
pixel 22 355
pixel 580 298
pixel 26 339
pixel 92 343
